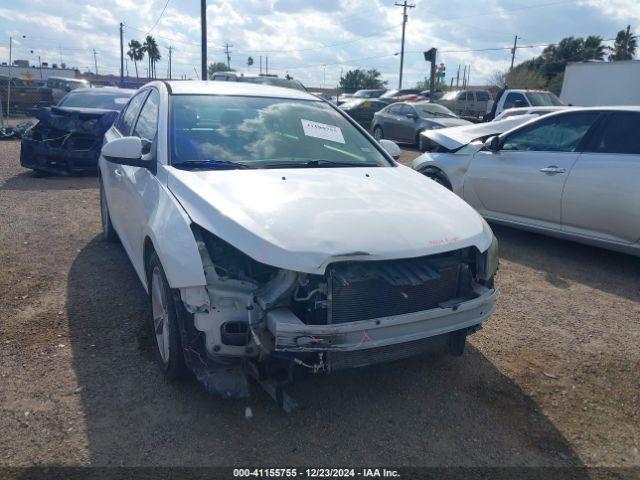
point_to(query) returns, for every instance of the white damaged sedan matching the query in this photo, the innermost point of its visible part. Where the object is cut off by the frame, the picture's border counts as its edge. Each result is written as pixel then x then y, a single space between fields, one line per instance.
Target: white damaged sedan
pixel 276 237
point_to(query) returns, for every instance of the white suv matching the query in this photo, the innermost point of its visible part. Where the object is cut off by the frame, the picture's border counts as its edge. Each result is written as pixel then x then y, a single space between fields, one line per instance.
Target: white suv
pixel 274 235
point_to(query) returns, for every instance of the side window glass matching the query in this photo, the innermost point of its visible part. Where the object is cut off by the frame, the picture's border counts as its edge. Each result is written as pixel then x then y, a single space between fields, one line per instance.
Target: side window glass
pixel 393 110
pixel 128 116
pixel 621 134
pixel 469 97
pixel 557 134
pixel 512 98
pixel 482 96
pixel 147 124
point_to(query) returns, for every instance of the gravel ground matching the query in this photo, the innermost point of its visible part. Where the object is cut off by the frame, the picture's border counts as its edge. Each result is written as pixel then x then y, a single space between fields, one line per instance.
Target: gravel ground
pixel 551 380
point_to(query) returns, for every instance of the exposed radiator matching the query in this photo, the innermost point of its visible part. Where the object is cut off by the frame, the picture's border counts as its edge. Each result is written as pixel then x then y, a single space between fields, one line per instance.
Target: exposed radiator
pixel 365 290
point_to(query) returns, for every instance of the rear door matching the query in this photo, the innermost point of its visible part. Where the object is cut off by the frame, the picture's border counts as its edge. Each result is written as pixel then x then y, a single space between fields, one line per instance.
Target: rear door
pixel 602 196
pixel 523 181
pixel 391 121
pixel 407 124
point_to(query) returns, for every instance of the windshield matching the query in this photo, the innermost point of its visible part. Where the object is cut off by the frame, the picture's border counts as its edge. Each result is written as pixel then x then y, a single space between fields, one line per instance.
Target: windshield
pixel 543 99
pixel 275 82
pixel 104 100
pixel 427 110
pixel 261 132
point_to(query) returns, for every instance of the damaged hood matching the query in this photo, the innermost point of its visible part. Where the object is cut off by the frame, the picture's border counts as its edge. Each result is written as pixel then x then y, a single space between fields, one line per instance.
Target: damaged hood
pixel 457 137
pixel 304 219
pixel 449 122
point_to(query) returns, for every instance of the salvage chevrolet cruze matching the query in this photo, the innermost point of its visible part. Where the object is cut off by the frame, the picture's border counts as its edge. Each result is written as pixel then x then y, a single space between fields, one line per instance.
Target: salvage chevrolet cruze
pixel 276 237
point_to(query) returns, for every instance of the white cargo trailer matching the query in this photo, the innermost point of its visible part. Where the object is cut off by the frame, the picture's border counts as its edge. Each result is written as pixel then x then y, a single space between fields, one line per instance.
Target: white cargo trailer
pixel 590 84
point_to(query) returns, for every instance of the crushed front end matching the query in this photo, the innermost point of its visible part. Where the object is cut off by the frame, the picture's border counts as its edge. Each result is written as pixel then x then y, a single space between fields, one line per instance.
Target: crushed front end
pixel 65 140
pixel 358 313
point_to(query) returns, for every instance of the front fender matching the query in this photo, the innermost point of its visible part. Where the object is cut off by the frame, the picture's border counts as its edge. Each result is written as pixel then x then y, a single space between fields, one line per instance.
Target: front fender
pixel 169 229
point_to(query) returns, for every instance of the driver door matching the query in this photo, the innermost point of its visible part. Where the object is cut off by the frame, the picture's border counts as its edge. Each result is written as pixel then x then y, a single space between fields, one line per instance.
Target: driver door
pixel 523 181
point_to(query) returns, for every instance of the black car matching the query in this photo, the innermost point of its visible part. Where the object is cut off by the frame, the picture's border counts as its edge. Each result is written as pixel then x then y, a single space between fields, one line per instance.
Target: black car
pixel 362 110
pixel 68 137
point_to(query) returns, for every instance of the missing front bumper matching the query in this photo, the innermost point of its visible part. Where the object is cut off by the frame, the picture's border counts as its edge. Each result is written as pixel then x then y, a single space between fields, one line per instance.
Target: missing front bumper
pixel 292 335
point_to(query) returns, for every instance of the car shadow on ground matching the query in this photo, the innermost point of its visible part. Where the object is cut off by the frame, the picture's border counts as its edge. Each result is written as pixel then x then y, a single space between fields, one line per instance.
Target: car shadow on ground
pixel 598 268
pixel 424 411
pixel 30 181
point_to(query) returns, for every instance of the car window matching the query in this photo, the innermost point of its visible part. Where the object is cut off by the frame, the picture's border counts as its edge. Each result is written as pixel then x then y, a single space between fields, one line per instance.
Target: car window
pixel 469 97
pixel 406 110
pixel 560 133
pixel 393 110
pixel 482 96
pixel 128 116
pixel 265 132
pixel 621 134
pixel 512 98
pixel 147 124
pixel 96 99
pixel 543 99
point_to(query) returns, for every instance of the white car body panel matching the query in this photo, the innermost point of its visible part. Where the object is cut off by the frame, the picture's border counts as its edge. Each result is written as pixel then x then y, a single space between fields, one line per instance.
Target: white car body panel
pixel 317 216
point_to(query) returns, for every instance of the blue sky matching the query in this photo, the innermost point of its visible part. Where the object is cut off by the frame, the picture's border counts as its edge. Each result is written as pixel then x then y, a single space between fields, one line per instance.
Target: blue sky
pixel 313 40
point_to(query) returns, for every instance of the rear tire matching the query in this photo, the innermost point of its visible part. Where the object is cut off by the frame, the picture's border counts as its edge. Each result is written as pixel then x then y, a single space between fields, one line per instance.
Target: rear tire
pixel 107 227
pixel 165 329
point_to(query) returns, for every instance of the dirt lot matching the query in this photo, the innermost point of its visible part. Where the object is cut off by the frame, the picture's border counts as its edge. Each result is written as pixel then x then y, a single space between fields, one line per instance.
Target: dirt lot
pixel 553 378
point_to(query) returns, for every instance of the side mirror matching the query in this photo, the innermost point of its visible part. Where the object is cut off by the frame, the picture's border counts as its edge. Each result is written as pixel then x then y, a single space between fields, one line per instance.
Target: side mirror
pixel 391 148
pixel 412 116
pixel 125 151
pixel 492 143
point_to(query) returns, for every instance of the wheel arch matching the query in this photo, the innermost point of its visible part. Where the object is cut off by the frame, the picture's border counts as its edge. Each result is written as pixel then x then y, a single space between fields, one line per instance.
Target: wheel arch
pixel 432 170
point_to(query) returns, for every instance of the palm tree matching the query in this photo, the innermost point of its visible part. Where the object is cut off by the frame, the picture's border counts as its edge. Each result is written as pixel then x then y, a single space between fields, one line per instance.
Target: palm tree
pixel 135 53
pixel 593 49
pixel 624 47
pixel 153 54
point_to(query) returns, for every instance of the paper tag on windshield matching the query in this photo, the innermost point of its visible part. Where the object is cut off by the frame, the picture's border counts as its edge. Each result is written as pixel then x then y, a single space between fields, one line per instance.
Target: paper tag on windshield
pixel 322 130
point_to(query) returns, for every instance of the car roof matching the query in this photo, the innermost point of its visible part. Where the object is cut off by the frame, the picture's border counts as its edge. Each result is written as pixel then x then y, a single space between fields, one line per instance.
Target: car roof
pixel 203 87
pixel 129 91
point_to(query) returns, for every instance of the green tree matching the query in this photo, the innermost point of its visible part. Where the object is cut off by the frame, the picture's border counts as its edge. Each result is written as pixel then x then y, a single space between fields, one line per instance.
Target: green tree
pixel 624 47
pixel 593 49
pixel 358 79
pixel 135 53
pixel 150 46
pixel 218 67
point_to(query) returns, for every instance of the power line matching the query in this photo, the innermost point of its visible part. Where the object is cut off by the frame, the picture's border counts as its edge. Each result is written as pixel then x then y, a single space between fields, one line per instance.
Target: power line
pixel 159 17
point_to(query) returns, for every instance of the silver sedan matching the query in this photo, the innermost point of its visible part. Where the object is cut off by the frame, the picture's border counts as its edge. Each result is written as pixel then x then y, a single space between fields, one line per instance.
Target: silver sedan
pixel 571 174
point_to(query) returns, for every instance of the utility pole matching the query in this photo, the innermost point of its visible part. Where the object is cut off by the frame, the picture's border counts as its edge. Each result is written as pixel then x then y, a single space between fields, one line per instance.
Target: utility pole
pixel 227 52
pixel 266 67
pixel 464 75
pixel 260 64
pixel 468 76
pixel 404 6
pixel 513 51
pixel 458 77
pixel 95 61
pixel 203 27
pixel 121 58
pixel 170 50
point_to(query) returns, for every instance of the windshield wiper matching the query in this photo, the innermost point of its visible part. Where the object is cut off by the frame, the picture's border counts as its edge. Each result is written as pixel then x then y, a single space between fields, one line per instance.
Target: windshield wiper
pixel 210 165
pixel 317 163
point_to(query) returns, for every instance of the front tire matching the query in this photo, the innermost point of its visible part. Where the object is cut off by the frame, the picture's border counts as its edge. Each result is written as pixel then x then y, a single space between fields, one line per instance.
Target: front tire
pixel 107 227
pixel 438 177
pixel 164 323
pixel 378 134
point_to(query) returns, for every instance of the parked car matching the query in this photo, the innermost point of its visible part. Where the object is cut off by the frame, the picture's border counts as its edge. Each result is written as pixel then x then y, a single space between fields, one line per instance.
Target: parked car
pixel 362 110
pixel 60 86
pixel 466 103
pixel 403 122
pixel 571 174
pixel 391 96
pixel 67 137
pixel 24 95
pixel 536 111
pixel 260 79
pixel 511 98
pixel 369 93
pixel 255 219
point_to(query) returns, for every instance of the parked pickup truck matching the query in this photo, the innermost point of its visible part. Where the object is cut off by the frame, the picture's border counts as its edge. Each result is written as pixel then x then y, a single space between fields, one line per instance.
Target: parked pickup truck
pixel 24 95
pixel 510 98
pixel 466 103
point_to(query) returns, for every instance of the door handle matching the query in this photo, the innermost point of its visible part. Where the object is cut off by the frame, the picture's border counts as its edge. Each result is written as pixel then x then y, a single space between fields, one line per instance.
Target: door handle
pixel 551 169
pixel 117 173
